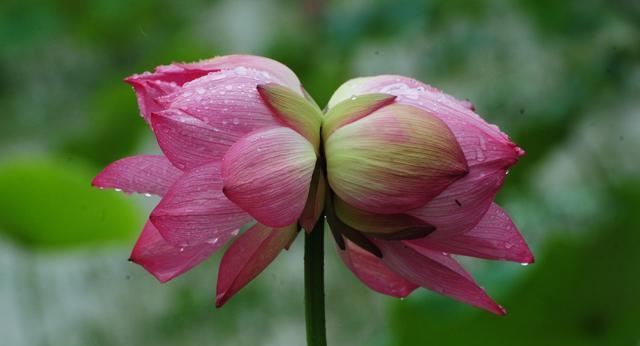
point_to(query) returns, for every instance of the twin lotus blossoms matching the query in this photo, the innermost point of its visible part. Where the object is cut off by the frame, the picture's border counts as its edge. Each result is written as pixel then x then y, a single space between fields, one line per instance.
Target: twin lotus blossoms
pixel 405 174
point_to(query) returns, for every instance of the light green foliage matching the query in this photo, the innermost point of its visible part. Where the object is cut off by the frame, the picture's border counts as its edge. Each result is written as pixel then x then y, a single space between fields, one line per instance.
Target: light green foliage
pixel 49 204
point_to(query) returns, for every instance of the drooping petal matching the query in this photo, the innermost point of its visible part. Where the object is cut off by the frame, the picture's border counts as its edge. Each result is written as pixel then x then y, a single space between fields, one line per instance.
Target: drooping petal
pixel 227 100
pixel 396 159
pixel 351 110
pixel 165 261
pixel 268 174
pixel 195 211
pixel 248 256
pixel 373 272
pixel 294 111
pixel 165 80
pixel 435 271
pixel 315 201
pixel 188 141
pixel 152 174
pixel 461 206
pixel 494 237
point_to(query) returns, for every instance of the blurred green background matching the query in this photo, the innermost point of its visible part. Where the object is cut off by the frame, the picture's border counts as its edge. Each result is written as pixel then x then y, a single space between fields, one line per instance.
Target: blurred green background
pixel 561 77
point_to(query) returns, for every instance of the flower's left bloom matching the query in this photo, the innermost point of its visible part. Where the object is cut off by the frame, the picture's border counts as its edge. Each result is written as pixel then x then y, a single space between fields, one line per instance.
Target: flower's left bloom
pixel 210 119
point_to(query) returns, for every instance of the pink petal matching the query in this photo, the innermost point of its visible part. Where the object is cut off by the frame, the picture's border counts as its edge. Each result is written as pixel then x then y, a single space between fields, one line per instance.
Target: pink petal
pixel 435 271
pixel 165 261
pixel 373 272
pixel 227 100
pixel 165 80
pixel 267 67
pixel 195 211
pixel 152 174
pixel 248 256
pixel 494 237
pixel 461 206
pixel 188 141
pixel 268 173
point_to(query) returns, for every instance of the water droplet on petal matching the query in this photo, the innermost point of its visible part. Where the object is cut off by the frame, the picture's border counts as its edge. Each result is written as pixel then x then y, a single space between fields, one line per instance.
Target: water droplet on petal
pixel 236 121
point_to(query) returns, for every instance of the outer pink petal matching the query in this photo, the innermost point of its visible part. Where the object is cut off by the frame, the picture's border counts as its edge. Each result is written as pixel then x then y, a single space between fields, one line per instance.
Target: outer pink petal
pixel 227 100
pixel 267 67
pixel 435 271
pixel 165 80
pixel 268 174
pixel 461 206
pixel 373 272
pixel 151 174
pixel 195 211
pixel 494 237
pixel 248 256
pixel 165 261
pixel 188 141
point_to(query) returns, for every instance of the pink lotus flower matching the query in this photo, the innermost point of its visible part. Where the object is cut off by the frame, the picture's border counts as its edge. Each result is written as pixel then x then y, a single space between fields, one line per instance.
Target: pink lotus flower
pixel 405 174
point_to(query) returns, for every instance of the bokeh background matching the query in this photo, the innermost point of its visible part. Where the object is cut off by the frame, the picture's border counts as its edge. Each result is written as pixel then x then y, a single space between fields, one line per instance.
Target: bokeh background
pixel 561 77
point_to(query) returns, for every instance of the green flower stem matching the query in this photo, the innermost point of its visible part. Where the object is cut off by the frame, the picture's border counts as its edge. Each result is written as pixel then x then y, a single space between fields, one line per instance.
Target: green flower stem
pixel 314 285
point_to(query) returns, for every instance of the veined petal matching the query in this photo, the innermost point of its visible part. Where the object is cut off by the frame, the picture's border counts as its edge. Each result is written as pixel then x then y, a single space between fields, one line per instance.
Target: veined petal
pixel 395 159
pixel 165 80
pixel 195 211
pixel 152 174
pixel 373 272
pixel 352 109
pixel 268 172
pixel 165 261
pixel 388 225
pixel 248 256
pixel 293 110
pixel 315 201
pixel 188 141
pixel 436 272
pixel 268 68
pixel 494 237
pixel 227 100
pixel 461 206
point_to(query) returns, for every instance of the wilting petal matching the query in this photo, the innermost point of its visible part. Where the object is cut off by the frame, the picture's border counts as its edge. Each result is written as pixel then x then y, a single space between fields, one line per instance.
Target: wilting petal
pixel 268 173
pixel 227 100
pixel 268 68
pixel 164 260
pixel 387 225
pixel 435 271
pixel 373 272
pixel 494 237
pixel 396 159
pixel 248 256
pixel 461 206
pixel 315 201
pixel 152 174
pixel 352 109
pixel 165 80
pixel 294 111
pixel 195 211
pixel 188 141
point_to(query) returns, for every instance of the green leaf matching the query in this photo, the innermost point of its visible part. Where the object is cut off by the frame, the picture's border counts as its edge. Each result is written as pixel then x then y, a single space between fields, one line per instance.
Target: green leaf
pixel 50 204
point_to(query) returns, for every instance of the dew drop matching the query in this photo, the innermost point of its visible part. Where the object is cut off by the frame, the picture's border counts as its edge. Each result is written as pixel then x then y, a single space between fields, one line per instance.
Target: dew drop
pixel 181 249
pixel 524 264
pixel 147 194
pixel 236 121
pixel 118 190
pixel 353 98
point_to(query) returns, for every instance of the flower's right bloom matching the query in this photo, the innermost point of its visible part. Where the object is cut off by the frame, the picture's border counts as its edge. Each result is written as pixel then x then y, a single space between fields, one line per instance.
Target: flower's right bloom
pixel 414 173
